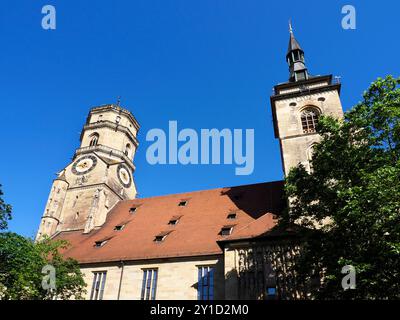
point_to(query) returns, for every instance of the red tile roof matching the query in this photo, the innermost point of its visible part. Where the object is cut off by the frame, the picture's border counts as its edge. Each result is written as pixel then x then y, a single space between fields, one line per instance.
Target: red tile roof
pixel 196 233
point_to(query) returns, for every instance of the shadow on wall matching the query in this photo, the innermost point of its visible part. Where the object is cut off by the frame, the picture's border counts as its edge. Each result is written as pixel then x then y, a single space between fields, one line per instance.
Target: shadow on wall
pixel 232 285
pixel 258 199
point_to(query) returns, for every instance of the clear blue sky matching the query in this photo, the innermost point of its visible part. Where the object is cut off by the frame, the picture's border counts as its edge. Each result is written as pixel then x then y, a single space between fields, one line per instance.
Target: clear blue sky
pixel 206 64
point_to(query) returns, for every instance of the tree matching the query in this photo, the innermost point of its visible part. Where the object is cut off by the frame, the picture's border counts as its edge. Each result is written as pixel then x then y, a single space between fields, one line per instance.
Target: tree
pixel 22 261
pixel 21 265
pixel 5 212
pixel 350 200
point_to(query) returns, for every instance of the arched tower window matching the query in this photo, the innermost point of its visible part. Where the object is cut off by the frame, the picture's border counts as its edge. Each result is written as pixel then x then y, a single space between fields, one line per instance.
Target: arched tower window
pixel 94 139
pixel 309 119
pixel 127 149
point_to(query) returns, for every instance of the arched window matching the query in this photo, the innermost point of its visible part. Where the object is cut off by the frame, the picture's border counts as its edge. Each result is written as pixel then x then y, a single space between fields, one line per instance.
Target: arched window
pixel 310 152
pixel 127 149
pixel 309 119
pixel 94 139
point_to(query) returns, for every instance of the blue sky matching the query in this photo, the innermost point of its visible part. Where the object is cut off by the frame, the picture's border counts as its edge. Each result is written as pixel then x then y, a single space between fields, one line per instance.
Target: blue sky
pixel 205 64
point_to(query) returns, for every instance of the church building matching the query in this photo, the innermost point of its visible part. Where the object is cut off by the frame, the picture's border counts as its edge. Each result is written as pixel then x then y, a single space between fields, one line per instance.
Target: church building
pixel 213 244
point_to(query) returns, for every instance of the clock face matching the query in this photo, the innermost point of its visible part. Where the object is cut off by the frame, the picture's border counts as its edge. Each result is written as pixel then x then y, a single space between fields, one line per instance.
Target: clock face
pixel 84 165
pixel 124 176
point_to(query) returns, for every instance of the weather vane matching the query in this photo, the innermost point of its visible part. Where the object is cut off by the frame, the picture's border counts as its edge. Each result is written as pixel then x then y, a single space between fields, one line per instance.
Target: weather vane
pixel 290 26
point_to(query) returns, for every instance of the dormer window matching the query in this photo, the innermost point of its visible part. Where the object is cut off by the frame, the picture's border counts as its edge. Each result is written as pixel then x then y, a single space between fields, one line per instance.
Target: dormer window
pixel 161 236
pixel 100 243
pixel 133 209
pixel 226 230
pixel 119 227
pixel 174 220
pixel 231 215
pixel 182 203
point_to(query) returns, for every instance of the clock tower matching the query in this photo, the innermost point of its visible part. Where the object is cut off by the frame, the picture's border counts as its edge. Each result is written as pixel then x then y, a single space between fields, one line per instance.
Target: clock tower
pixel 296 106
pixel 100 174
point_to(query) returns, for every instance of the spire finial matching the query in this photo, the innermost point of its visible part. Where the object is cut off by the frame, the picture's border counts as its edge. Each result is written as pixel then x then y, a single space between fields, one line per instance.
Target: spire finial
pixel 118 100
pixel 290 26
pixel 295 58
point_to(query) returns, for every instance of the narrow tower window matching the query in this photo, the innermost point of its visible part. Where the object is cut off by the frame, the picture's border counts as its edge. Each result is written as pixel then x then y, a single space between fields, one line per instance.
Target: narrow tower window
pixel 94 139
pixel 309 120
pixel 127 149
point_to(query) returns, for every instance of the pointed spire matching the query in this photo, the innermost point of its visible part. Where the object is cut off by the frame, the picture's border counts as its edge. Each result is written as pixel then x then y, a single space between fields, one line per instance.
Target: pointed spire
pixel 293 44
pixel 295 59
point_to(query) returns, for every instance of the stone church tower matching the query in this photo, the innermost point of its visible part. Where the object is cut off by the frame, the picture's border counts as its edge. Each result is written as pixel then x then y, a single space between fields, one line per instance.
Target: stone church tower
pixel 297 105
pixel 100 174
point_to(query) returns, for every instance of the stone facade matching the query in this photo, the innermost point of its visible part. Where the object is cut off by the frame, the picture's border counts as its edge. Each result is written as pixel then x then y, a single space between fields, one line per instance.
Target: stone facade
pixel 177 278
pixel 245 271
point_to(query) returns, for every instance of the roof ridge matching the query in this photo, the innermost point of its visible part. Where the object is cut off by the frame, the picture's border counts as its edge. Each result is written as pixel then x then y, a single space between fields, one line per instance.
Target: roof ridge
pixel 203 190
pixel 251 222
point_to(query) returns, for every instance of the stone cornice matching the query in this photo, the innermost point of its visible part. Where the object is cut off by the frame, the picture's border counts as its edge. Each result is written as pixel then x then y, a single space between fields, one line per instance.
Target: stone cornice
pixel 315 90
pixel 116 109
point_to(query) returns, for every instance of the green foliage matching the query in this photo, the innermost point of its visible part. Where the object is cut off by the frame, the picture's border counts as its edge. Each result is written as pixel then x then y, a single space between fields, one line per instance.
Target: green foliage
pixel 21 263
pixel 5 212
pixel 355 185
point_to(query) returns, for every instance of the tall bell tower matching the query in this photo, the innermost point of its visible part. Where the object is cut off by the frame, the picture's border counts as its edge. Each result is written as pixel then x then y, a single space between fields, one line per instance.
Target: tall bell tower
pixel 100 174
pixel 297 104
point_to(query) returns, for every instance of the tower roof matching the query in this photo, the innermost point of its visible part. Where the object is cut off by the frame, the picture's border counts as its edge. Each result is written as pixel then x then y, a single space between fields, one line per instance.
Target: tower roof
pixel 293 44
pixel 295 59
